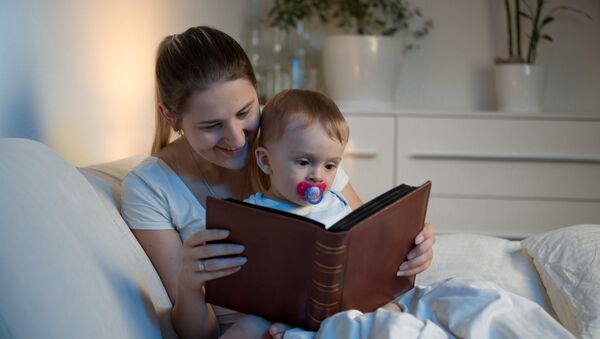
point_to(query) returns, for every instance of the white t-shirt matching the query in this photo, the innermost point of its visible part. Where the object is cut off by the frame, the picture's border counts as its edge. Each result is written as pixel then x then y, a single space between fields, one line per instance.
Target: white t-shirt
pixel 332 208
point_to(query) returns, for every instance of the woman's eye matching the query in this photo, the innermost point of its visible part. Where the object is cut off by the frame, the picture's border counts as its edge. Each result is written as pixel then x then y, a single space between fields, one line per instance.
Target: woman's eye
pixel 242 114
pixel 209 127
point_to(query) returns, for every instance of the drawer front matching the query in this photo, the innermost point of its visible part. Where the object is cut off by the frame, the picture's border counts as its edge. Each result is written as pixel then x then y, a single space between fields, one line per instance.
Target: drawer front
pixel 508 218
pixel 369 158
pixel 493 158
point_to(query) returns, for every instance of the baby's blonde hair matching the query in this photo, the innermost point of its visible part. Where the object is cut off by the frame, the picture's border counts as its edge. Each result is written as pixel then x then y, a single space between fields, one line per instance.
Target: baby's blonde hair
pixel 293 104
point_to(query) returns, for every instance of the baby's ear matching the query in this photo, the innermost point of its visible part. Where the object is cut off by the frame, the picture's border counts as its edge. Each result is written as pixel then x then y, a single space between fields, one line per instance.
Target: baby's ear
pixel 262 159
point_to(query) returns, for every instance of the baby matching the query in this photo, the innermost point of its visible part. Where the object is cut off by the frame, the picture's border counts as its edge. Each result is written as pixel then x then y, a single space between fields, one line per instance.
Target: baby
pixel 297 154
pixel 302 139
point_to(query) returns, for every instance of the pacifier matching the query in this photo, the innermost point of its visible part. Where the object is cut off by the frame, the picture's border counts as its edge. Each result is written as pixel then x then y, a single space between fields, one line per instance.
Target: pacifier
pixel 313 193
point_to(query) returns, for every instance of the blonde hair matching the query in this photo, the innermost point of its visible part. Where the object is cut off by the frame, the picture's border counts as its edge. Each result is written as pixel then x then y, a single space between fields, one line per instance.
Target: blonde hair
pixel 308 106
pixel 189 62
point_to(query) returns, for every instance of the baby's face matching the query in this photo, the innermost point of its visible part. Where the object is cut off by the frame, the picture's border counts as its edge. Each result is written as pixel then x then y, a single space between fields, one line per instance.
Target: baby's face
pixel 304 153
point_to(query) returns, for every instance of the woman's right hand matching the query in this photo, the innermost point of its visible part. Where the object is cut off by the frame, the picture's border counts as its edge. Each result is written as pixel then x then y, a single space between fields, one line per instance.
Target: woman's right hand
pixel 202 261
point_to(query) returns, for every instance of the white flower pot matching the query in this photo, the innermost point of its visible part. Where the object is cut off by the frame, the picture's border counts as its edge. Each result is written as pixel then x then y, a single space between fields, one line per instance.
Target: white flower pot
pixel 362 71
pixel 519 87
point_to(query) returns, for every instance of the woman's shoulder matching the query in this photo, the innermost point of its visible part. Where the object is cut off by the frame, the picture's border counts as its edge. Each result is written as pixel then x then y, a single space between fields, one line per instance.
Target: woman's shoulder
pixel 150 172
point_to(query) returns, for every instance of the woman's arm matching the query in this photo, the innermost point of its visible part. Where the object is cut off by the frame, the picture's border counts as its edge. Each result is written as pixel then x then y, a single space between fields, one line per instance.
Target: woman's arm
pixel 164 248
pixel 177 264
pixel 420 258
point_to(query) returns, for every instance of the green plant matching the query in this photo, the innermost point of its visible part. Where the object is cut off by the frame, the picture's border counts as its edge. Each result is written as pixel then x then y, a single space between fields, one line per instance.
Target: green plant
pixel 377 17
pixel 538 17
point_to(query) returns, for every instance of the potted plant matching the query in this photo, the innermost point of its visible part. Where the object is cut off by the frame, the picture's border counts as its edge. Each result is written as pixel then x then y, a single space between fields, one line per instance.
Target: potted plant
pixel 360 66
pixel 519 80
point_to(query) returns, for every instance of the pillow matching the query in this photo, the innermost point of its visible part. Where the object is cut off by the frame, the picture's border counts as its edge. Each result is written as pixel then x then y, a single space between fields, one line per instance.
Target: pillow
pixel 481 257
pixel 569 265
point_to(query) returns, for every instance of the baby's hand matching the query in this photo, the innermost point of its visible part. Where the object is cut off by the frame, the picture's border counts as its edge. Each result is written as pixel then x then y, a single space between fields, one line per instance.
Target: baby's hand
pixel 278 329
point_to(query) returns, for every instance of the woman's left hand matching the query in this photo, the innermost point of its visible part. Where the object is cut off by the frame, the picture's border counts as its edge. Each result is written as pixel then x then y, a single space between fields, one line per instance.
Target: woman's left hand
pixel 419 259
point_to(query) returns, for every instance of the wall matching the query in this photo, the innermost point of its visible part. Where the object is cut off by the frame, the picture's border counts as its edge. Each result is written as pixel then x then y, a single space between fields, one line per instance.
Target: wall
pixel 78 75
pixel 453 68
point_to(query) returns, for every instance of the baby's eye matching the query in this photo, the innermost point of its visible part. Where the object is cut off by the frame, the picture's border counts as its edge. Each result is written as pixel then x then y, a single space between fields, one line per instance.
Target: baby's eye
pixel 302 162
pixel 330 166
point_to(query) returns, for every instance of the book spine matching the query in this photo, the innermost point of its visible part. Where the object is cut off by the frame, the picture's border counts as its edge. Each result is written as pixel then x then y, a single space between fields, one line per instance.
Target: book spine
pixel 327 274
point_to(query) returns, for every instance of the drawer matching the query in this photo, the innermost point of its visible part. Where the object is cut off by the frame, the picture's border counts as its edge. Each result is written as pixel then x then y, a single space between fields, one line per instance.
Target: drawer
pixel 369 158
pixel 494 158
pixel 508 218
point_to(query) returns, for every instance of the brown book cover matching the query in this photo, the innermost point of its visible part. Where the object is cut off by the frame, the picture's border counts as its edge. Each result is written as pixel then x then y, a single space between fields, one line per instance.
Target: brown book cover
pixel 299 273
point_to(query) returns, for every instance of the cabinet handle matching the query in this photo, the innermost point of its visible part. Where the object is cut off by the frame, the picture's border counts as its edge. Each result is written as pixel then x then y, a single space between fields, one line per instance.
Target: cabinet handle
pixel 506 157
pixel 360 154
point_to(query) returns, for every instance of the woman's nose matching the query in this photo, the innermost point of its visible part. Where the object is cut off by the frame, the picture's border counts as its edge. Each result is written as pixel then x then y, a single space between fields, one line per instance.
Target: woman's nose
pixel 234 134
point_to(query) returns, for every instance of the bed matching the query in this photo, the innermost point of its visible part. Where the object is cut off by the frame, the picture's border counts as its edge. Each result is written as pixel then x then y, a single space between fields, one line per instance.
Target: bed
pixel 62 237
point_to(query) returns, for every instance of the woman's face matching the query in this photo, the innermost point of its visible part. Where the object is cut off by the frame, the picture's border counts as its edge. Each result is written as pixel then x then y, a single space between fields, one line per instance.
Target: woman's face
pixel 220 123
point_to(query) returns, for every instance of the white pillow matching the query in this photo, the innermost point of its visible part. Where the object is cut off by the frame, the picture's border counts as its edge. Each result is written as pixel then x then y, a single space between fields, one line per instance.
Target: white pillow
pixel 501 261
pixel 568 261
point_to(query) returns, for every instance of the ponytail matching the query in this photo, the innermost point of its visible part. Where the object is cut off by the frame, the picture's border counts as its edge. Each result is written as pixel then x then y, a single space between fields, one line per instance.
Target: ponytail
pixel 162 133
pixel 162 130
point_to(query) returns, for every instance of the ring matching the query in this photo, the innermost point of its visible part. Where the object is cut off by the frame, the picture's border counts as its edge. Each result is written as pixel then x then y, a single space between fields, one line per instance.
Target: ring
pixel 201 266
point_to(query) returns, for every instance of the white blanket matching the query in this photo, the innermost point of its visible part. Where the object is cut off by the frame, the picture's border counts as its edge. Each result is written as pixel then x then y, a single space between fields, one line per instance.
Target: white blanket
pixel 450 308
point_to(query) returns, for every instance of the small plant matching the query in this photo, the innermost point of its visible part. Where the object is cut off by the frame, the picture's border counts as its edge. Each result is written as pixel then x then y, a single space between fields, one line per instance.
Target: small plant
pixel 538 17
pixel 376 17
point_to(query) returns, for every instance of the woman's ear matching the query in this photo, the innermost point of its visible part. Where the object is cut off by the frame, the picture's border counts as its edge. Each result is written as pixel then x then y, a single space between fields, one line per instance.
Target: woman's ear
pixel 262 159
pixel 167 115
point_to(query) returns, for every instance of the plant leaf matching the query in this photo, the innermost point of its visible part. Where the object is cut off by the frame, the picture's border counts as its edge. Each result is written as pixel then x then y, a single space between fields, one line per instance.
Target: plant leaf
pixel 547 37
pixel 389 31
pixel 546 21
pixel 570 9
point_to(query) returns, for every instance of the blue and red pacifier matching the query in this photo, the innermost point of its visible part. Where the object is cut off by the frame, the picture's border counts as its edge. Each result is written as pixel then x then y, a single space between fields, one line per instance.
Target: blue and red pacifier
pixel 313 193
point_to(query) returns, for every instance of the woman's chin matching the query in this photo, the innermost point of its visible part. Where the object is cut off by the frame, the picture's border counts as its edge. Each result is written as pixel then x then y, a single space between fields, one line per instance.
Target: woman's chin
pixel 233 161
pixel 236 163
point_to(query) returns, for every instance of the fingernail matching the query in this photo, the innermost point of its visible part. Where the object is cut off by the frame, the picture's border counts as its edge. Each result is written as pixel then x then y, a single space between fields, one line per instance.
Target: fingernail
pixel 399 273
pixel 419 239
pixel 240 248
pixel 224 233
pixel 242 261
pixel 403 267
pixel 411 255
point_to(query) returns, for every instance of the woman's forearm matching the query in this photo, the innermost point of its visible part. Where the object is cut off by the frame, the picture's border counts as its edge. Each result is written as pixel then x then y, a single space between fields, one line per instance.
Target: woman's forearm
pixel 192 317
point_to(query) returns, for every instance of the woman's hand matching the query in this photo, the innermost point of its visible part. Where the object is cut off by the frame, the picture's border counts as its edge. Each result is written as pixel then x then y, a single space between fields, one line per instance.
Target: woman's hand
pixel 202 261
pixel 419 259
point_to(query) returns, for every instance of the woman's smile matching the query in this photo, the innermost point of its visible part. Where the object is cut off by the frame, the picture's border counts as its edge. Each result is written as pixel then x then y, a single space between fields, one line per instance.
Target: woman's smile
pixel 230 152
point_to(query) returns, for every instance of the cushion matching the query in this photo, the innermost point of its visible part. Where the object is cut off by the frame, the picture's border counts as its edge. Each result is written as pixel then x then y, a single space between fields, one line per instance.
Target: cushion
pixel 501 261
pixel 70 267
pixel 106 178
pixel 568 260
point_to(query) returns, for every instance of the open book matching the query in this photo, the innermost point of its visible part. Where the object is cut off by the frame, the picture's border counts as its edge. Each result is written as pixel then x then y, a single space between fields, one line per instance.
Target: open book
pixel 299 273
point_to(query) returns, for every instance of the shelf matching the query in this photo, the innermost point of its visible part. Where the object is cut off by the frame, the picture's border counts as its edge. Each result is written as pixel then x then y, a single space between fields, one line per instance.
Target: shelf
pixel 454 114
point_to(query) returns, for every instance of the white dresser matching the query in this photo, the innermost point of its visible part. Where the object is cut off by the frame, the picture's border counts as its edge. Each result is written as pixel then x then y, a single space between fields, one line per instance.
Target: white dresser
pixel 493 173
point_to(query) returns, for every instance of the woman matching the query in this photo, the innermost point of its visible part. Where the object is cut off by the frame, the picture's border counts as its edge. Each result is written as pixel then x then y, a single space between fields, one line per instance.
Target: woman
pixel 206 91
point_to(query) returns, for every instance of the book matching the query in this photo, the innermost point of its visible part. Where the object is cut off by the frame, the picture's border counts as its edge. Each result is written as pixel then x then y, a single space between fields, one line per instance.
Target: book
pixel 300 273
